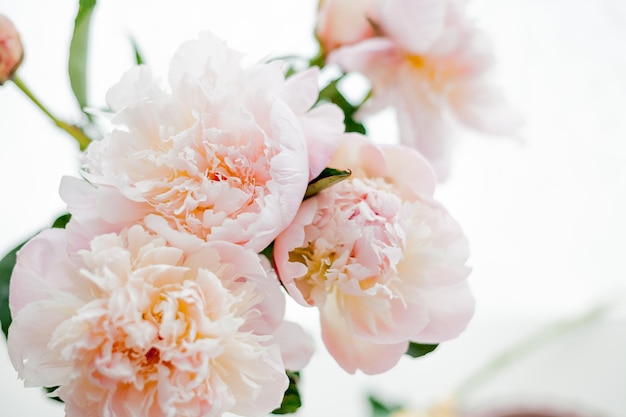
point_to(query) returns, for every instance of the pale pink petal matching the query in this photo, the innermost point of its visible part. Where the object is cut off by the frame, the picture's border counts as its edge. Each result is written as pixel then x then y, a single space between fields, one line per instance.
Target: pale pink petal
pixel 342 22
pixel 296 346
pixel 135 85
pixel 323 127
pixel 366 57
pixel 450 309
pixel 294 237
pixel 301 90
pixel 28 342
pixel 481 106
pixel 203 59
pixel 414 24
pixel 115 208
pixel 352 352
pixel 408 163
pixel 382 321
pixel 185 241
pixel 82 199
pixel 289 174
pixel 269 389
pixel 422 126
pixel 356 152
pixel 39 270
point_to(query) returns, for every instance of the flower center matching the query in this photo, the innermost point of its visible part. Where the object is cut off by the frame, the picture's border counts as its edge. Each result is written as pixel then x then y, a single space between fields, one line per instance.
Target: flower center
pixel 355 242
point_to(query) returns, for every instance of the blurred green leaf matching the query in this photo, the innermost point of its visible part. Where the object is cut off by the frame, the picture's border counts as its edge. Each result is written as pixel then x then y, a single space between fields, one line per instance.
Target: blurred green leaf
pixel 77 65
pixel 291 400
pixel 268 252
pixel 331 94
pixel 6 268
pixel 416 350
pixel 327 178
pixel 380 409
pixel 138 55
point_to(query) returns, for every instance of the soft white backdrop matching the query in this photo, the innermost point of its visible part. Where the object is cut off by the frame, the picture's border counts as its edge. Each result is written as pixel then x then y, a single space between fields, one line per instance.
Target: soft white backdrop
pixel 545 214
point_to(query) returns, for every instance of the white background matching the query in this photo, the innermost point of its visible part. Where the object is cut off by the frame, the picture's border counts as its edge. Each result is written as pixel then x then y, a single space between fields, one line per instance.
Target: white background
pixel 545 215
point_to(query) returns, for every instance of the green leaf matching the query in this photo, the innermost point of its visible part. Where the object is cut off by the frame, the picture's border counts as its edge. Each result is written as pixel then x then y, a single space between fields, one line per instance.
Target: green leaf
pixel 49 390
pixel 268 252
pixel 416 350
pixel 291 400
pixel 77 65
pixel 327 178
pixel 380 409
pixel 138 55
pixel 6 268
pixel 330 93
pixel 61 221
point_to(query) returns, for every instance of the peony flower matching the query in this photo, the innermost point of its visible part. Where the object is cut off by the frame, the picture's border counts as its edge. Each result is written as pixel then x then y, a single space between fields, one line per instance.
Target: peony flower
pixel 382 261
pixel 343 22
pixel 11 50
pixel 134 327
pixel 221 155
pixel 431 64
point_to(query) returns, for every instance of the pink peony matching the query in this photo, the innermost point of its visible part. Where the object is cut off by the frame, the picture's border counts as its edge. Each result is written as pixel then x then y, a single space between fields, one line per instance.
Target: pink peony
pixel 343 22
pixel 431 64
pixel 382 260
pixel 133 327
pixel 11 50
pixel 221 156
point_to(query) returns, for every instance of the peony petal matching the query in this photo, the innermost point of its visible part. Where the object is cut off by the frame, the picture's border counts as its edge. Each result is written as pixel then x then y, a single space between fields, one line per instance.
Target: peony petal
pixel 422 126
pixel 352 352
pixel 342 22
pixel 291 238
pixel 449 309
pixel 301 90
pixel 323 127
pixel 136 85
pixel 481 106
pixel 296 346
pixel 29 338
pixel 414 24
pixel 40 270
pixel 410 171
pixel 382 321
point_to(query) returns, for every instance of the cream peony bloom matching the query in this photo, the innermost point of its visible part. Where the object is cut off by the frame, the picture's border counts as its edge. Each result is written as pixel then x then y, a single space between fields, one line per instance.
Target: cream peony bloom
pixel 383 261
pixel 134 327
pixel 431 64
pixel 221 155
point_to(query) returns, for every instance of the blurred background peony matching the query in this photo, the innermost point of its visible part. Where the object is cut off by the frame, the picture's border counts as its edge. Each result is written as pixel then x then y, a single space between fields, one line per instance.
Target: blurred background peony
pixel 544 214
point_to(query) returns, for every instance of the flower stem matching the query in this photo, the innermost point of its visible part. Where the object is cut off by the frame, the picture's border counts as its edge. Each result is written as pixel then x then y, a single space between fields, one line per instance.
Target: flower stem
pixel 75 131
pixel 507 358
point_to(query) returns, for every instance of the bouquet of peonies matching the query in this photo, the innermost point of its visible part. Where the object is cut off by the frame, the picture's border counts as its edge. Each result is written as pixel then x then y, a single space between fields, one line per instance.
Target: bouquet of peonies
pixel 221 191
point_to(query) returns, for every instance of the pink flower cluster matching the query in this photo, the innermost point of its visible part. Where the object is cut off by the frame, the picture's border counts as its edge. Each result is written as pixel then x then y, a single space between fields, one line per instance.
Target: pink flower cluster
pixel 154 300
pixel 426 59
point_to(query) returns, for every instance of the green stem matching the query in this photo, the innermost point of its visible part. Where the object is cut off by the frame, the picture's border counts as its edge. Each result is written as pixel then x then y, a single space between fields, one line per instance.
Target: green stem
pixel 502 361
pixel 75 131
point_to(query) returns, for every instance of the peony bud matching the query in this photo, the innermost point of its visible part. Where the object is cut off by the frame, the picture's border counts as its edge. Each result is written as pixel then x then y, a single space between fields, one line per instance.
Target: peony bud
pixel 11 51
